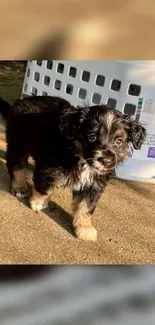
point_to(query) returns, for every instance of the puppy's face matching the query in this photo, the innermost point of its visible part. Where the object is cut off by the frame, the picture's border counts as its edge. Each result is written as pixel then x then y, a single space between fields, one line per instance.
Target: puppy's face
pixel 104 139
pixel 102 135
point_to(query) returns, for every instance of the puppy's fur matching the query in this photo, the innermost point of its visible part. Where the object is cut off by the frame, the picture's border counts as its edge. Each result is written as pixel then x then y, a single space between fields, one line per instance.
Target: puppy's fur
pixel 74 147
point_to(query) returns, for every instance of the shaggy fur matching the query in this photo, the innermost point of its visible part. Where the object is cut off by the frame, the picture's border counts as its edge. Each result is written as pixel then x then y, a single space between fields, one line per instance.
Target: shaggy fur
pixel 74 147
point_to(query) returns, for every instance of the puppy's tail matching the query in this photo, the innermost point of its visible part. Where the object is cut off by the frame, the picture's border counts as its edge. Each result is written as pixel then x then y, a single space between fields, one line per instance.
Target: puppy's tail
pixel 5 108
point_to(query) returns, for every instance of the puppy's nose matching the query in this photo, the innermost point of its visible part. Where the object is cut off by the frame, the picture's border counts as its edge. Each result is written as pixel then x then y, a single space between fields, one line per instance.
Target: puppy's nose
pixel 106 161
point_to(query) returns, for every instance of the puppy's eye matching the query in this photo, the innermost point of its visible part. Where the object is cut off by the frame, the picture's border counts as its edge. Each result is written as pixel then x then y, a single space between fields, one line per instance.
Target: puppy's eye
pixel 92 137
pixel 118 142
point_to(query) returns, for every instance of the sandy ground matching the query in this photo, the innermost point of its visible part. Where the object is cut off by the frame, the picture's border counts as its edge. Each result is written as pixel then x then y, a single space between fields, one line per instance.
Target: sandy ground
pixel 124 218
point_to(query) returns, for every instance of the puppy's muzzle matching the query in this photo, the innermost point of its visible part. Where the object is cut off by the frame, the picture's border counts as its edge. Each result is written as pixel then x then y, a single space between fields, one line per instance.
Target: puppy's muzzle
pixel 108 159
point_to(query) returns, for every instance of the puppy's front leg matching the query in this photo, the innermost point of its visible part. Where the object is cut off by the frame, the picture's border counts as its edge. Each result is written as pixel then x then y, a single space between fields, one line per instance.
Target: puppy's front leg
pixel 39 201
pixel 83 206
pixel 41 191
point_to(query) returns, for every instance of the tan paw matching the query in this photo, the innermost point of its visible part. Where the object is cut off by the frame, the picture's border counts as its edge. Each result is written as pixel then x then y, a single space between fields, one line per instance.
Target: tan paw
pixel 86 234
pixel 37 204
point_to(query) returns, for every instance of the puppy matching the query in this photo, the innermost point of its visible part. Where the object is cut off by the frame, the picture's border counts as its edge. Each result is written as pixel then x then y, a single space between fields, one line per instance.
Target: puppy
pixel 75 147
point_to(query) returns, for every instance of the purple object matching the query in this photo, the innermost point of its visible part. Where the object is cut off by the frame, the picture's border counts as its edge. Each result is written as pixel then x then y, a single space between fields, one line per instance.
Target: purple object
pixel 151 152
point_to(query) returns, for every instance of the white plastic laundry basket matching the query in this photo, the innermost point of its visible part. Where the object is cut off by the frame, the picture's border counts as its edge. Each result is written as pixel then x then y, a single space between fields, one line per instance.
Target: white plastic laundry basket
pixel 128 86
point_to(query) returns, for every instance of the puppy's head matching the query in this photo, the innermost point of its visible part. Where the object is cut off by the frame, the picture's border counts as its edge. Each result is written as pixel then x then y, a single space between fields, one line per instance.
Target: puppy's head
pixel 101 135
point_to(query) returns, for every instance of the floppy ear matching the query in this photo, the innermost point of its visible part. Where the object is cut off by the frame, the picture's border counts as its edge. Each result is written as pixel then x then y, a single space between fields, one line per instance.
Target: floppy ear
pixel 137 134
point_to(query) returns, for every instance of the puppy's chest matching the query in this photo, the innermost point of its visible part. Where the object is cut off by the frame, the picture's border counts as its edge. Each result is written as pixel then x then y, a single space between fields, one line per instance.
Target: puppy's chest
pixel 81 179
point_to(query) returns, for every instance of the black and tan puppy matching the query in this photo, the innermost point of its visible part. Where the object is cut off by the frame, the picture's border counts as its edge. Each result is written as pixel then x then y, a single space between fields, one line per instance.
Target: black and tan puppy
pixel 74 147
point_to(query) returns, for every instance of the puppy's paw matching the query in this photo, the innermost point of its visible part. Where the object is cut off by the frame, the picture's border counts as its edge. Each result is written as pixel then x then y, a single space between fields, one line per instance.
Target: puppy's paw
pixel 21 192
pixel 38 204
pixel 87 233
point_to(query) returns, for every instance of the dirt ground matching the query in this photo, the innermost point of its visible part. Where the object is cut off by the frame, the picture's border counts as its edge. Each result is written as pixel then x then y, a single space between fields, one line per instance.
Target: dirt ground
pixel 124 218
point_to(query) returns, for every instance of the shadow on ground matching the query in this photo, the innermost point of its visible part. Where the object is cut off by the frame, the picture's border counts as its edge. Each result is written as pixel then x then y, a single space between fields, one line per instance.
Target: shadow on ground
pixel 54 211
pixel 60 216
pixel 142 189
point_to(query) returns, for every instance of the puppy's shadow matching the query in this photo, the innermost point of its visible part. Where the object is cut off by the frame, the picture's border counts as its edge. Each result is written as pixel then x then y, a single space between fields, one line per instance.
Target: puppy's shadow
pixel 54 211
pixel 60 216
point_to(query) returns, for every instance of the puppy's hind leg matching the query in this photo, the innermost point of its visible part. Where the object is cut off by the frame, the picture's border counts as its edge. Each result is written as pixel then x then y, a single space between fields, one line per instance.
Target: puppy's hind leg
pixel 17 164
pixel 42 189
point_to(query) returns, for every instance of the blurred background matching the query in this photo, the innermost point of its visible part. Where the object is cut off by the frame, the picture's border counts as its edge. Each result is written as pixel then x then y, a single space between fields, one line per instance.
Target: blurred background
pixel 66 29
pixel 11 79
pixel 77 295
